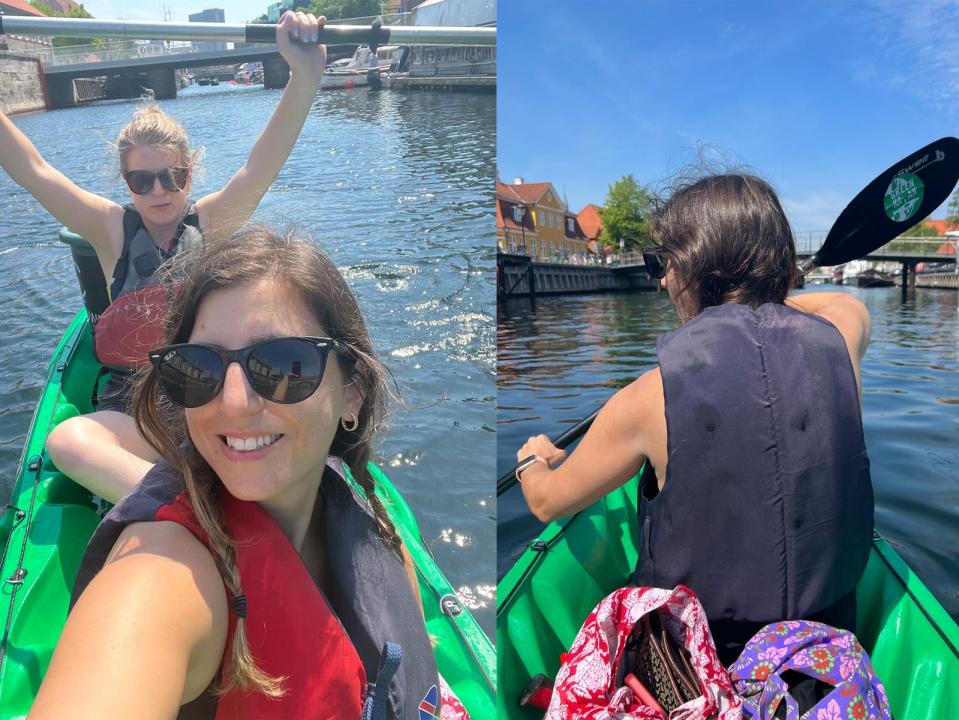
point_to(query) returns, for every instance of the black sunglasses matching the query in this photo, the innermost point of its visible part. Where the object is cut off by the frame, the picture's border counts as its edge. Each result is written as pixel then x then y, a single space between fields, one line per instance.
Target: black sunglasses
pixel 282 370
pixel 655 267
pixel 173 179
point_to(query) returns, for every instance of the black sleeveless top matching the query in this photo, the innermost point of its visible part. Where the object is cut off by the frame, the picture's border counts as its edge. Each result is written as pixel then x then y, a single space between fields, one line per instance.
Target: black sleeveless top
pixel 767 508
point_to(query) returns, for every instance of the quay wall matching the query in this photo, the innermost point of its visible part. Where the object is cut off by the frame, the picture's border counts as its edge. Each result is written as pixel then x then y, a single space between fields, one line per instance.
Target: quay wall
pixel 938 280
pixel 557 278
pixel 21 87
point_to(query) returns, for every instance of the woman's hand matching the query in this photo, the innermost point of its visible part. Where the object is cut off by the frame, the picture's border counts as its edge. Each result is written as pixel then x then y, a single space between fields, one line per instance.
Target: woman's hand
pixel 305 58
pixel 541 445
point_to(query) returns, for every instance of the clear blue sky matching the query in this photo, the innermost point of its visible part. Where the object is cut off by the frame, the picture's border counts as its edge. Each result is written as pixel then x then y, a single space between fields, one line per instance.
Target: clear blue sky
pixel 817 96
pixel 237 11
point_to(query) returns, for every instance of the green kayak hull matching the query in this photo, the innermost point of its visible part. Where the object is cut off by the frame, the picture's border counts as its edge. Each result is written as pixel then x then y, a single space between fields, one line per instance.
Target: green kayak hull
pixel 45 533
pixel 544 598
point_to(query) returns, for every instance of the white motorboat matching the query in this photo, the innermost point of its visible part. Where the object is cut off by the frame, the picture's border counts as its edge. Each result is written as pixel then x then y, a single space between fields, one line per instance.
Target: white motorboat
pixel 354 72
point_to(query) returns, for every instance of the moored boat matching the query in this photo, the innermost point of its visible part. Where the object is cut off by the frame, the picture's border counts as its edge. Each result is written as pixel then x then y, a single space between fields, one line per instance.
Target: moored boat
pixel 874 278
pixel 355 71
pixel 576 561
pixel 45 528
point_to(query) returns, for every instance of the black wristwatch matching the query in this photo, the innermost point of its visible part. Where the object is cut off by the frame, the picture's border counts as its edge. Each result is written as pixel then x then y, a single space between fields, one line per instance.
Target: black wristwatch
pixel 526 462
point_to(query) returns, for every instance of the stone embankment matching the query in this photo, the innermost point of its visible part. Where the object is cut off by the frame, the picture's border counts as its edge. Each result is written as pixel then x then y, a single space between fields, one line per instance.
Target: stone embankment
pixel 21 86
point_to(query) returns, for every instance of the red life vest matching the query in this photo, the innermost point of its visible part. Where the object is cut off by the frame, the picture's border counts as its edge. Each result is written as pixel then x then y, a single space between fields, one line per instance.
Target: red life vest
pixel 305 642
pixel 133 323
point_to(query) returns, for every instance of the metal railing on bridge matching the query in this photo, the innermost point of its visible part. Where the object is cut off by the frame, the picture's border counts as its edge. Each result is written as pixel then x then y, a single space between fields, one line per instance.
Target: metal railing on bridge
pixel 807 243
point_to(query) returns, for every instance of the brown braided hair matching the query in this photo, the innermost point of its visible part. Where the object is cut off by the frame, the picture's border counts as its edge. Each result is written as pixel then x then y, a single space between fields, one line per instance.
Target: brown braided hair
pixel 254 253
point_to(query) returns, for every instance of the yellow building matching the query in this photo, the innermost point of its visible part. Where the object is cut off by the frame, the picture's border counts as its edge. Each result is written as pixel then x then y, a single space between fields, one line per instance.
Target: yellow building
pixel 532 219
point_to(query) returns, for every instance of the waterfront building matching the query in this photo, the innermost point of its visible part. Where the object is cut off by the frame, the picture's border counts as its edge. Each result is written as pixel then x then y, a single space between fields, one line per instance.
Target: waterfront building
pixel 210 15
pixel 456 61
pixel 591 222
pixel 532 219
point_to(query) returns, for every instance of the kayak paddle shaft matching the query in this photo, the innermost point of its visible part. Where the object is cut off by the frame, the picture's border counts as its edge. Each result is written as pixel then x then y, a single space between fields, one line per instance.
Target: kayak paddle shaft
pixel 329 34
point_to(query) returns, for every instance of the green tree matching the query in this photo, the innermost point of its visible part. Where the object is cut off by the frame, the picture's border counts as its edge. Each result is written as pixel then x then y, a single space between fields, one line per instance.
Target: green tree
pixel 75 12
pixel 953 210
pixel 920 230
pixel 625 214
pixel 338 9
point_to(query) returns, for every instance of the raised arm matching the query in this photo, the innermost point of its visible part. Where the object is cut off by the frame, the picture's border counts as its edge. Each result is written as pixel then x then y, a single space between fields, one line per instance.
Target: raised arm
pixel 83 212
pixel 613 450
pixel 225 210
pixel 146 635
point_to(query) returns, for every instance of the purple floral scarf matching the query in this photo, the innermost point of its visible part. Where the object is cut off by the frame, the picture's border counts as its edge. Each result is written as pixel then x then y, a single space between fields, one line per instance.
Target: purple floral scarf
pixel 819 651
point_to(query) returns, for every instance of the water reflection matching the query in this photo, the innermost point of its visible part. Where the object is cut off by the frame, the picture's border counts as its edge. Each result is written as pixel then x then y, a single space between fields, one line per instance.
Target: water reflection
pixel 563 358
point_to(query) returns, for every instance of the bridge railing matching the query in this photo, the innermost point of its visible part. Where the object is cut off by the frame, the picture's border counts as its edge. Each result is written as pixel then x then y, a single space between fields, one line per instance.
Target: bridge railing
pixel 930 246
pixel 111 52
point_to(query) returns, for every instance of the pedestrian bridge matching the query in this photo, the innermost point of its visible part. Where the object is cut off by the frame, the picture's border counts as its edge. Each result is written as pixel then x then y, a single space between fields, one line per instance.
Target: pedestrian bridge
pixel 907 250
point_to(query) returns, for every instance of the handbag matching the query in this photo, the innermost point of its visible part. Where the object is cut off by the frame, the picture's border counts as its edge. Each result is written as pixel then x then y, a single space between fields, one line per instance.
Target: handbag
pixel 644 654
pixel 660 665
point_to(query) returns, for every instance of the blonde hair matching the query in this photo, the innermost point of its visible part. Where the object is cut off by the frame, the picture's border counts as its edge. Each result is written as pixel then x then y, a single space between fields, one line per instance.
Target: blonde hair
pixel 252 253
pixel 151 127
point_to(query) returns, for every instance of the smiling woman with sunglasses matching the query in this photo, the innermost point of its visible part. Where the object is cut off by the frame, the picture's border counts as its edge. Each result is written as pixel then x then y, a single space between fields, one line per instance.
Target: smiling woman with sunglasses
pixel 254 572
pixel 103 451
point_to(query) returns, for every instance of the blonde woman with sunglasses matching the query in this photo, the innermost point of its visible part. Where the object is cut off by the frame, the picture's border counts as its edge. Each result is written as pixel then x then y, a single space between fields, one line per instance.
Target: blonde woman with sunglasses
pixel 103 451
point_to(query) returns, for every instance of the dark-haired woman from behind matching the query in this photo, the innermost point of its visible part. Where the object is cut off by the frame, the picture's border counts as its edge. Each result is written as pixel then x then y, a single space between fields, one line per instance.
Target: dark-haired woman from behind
pixel 755 487
pixel 253 573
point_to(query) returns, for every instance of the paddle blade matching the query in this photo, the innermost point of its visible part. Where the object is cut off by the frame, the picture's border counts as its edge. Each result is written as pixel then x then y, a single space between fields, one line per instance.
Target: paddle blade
pixel 902 196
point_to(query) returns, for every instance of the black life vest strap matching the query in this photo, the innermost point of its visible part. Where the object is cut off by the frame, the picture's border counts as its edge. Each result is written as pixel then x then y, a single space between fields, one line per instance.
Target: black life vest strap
pixel 132 223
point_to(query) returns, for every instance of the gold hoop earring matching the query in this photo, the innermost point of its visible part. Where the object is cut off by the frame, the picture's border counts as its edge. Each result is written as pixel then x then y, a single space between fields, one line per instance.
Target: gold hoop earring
pixel 354 423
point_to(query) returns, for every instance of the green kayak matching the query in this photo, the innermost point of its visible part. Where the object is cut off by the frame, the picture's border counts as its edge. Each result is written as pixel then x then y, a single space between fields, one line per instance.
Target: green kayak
pixel 576 561
pixel 45 529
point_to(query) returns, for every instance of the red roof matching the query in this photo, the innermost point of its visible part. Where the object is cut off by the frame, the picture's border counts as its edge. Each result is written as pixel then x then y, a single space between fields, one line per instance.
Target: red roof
pixel 941 226
pixel 527 193
pixel 947 248
pixel 590 221
pixel 504 215
pixel 19 7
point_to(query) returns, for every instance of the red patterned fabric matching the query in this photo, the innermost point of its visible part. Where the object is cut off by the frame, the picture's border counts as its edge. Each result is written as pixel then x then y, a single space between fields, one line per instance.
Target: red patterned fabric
pixel 452 708
pixel 584 686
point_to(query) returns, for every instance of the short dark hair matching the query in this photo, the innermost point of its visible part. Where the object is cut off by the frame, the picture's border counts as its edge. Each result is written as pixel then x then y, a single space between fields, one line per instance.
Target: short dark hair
pixel 727 240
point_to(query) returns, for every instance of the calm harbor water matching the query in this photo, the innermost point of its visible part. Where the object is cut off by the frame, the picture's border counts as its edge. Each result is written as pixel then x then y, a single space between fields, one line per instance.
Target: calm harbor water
pixel 398 188
pixel 559 362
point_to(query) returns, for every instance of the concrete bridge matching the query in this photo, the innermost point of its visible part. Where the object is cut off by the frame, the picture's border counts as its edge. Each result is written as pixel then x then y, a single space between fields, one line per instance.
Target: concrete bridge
pixel 129 68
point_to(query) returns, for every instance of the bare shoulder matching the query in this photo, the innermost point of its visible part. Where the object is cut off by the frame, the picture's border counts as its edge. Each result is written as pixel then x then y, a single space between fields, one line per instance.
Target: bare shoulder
pixel 851 318
pixel 639 401
pixel 153 620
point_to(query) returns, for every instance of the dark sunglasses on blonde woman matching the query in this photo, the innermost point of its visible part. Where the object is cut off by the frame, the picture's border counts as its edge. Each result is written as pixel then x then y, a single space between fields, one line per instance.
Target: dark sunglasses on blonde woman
pixel 172 179
pixel 282 370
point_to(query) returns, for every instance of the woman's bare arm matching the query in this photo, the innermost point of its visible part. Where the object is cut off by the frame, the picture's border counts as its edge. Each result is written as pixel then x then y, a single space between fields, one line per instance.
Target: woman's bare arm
pixel 613 450
pixel 146 635
pixel 95 218
pixel 224 211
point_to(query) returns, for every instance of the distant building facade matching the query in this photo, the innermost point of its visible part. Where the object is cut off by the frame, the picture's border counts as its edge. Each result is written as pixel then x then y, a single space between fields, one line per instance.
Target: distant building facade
pixel 531 219
pixel 591 222
pixel 210 15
